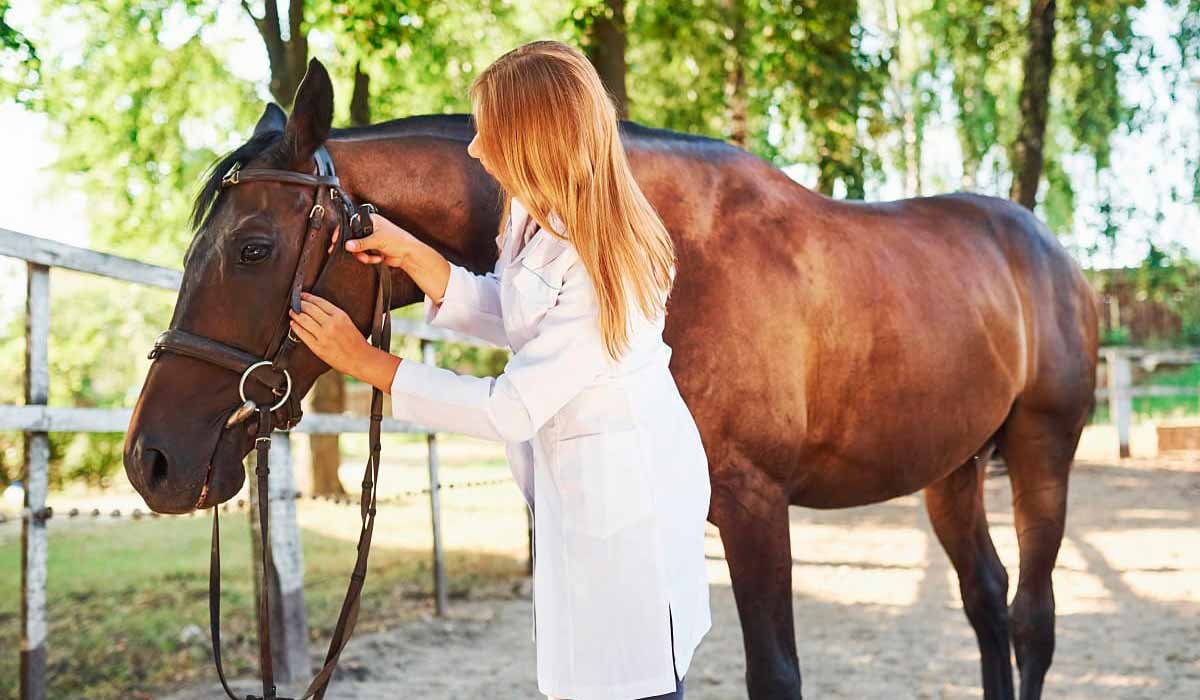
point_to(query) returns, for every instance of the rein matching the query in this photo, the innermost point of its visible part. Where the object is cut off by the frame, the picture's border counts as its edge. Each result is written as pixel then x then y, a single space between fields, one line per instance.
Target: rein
pixel 355 222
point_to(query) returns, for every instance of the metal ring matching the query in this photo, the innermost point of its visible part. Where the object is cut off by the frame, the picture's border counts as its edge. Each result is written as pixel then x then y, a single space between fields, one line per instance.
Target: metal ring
pixel 250 370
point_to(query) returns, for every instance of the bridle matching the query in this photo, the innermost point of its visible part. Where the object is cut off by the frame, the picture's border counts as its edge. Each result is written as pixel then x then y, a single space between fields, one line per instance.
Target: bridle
pixel 355 222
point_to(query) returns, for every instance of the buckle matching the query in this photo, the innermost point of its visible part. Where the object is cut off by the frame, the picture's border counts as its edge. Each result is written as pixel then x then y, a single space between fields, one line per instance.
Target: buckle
pixel 231 177
pixel 360 221
pixel 316 216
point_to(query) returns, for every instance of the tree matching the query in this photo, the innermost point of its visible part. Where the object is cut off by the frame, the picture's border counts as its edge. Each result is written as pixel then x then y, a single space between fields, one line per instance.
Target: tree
pixel 1028 149
pixel 603 37
pixel 789 81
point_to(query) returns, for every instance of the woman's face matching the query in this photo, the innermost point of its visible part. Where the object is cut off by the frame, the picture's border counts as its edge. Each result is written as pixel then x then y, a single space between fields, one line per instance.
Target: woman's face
pixel 475 151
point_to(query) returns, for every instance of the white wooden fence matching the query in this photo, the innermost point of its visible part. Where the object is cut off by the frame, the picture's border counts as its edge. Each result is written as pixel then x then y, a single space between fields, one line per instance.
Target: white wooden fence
pixel 1119 390
pixel 37 419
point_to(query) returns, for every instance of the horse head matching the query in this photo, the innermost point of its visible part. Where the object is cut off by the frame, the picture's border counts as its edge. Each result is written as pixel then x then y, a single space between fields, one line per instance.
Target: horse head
pixel 183 449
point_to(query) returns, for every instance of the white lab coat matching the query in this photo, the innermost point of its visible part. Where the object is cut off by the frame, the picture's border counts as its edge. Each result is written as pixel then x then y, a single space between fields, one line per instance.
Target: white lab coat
pixel 607 455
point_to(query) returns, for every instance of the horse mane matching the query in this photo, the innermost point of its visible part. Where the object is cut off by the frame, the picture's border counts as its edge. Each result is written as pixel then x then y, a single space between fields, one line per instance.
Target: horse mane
pixel 258 145
pixel 457 127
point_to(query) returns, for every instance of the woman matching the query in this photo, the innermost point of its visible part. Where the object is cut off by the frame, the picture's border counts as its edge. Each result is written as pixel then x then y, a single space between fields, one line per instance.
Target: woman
pixel 601 443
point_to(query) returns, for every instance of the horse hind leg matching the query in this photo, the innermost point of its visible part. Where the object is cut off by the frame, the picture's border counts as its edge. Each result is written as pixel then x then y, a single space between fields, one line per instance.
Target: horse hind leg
pixel 1039 447
pixel 956 510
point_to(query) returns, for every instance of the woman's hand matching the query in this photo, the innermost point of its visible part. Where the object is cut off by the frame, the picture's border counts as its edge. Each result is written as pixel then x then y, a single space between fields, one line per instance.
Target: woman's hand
pixel 328 332
pixel 332 336
pixel 389 244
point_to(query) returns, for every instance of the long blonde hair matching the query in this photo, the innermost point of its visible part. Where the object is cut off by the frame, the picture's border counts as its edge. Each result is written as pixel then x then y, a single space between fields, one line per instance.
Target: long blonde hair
pixel 549 131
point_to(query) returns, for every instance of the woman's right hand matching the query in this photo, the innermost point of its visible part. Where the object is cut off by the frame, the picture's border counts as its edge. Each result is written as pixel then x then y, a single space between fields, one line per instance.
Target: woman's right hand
pixel 389 244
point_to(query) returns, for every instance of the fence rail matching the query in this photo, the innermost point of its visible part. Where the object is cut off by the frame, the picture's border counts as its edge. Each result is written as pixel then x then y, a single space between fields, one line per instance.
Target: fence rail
pixel 36 419
pixel 1120 390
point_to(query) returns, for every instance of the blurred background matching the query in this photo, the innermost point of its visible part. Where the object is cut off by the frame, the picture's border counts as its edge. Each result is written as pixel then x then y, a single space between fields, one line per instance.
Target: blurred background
pixel 1087 111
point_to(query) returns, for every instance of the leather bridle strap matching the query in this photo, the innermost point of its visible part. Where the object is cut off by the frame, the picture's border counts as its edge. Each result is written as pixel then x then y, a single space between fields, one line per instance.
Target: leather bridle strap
pixel 381 332
pixel 225 356
pixel 381 337
pixel 262 444
pixel 238 175
pixel 355 223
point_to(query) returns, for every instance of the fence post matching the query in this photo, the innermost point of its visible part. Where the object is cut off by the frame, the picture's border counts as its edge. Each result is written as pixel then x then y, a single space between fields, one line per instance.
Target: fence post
pixel 36 479
pixel 440 593
pixel 289 622
pixel 1120 402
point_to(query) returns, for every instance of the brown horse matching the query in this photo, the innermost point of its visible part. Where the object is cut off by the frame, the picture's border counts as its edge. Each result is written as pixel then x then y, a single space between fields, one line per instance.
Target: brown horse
pixel 834 354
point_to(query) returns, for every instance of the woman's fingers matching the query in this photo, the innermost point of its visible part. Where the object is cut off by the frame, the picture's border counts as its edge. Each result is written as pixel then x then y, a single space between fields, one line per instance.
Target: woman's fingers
pixel 305 336
pixel 327 307
pixel 311 308
pixel 375 241
pixel 305 322
pixel 367 258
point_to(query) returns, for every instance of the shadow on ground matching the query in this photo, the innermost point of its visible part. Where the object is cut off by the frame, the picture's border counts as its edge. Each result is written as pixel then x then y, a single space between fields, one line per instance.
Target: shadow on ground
pixel 877 608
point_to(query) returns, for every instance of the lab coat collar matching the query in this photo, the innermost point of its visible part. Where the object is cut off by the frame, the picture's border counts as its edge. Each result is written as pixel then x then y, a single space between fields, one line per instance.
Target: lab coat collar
pixel 543 246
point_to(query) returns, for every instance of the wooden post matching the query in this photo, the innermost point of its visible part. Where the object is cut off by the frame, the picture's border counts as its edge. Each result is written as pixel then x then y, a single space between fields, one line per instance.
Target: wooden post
pixel 440 592
pixel 289 622
pixel 1120 401
pixel 36 480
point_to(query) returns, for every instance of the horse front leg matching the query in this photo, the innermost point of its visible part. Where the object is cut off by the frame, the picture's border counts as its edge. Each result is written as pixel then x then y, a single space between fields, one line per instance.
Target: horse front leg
pixel 752 514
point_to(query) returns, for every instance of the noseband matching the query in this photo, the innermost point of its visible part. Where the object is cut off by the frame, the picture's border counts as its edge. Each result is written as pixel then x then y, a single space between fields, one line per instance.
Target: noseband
pixel 355 222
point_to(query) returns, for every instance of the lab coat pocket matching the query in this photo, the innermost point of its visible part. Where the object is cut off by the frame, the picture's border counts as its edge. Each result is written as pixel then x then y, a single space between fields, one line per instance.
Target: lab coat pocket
pixel 601 481
pixel 536 293
pixel 601 464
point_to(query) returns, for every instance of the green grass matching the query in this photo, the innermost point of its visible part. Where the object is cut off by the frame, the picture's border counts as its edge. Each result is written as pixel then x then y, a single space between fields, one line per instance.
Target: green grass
pixel 120 595
pixel 1161 407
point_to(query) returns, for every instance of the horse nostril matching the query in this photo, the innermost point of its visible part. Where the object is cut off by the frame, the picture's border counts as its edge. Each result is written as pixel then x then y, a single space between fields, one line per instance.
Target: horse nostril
pixel 156 462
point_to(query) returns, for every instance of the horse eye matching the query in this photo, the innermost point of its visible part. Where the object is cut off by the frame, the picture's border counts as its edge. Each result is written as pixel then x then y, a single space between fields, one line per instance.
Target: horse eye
pixel 255 252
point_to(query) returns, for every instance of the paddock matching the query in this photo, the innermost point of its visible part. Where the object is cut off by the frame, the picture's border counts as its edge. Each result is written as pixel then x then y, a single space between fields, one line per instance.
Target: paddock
pixel 873 590
pixel 877 607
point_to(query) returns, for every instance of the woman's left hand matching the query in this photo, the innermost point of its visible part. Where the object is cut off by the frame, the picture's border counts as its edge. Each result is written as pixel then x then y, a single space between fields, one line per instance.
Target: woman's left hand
pixel 328 332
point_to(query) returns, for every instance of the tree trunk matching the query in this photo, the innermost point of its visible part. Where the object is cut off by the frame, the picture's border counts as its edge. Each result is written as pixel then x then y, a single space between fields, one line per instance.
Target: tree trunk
pixel 328 396
pixel 287 55
pixel 606 51
pixel 1028 151
pixel 735 82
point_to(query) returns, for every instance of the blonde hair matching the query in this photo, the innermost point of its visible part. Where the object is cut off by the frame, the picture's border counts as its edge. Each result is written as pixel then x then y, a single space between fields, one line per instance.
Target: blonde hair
pixel 549 131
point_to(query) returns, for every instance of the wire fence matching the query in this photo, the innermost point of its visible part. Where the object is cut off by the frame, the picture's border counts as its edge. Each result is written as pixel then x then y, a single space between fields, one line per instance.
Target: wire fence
pixel 49 512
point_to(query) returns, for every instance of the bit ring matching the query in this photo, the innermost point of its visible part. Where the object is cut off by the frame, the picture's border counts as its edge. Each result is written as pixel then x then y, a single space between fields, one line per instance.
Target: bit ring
pixel 250 370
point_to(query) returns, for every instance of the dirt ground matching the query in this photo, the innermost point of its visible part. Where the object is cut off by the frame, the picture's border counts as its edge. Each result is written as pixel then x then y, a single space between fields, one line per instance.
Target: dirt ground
pixel 877 608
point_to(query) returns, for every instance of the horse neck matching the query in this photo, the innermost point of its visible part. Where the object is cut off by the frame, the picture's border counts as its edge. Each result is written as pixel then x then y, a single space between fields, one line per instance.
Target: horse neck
pixel 429 186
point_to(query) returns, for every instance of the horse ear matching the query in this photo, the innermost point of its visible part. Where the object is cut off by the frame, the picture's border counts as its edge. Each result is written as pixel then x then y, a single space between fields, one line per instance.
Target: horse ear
pixel 312 113
pixel 273 119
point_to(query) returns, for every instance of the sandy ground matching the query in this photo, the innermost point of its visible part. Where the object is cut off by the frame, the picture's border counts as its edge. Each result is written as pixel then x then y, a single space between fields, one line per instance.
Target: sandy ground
pixel 876 602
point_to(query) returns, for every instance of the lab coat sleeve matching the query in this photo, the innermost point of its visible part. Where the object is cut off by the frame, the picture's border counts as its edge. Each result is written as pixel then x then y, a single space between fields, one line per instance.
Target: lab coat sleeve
pixel 565 356
pixel 471 305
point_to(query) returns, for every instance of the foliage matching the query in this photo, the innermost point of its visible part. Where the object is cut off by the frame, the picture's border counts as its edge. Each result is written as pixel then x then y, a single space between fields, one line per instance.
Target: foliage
pixel 421 55
pixel 19 61
pixel 803 67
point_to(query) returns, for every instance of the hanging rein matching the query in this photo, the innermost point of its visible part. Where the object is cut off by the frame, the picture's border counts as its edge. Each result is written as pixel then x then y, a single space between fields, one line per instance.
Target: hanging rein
pixel 271 370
